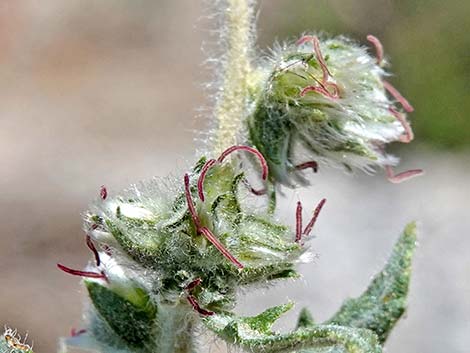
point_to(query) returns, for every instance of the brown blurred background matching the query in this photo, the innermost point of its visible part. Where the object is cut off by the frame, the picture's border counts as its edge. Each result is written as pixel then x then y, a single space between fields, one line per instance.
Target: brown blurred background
pixel 107 92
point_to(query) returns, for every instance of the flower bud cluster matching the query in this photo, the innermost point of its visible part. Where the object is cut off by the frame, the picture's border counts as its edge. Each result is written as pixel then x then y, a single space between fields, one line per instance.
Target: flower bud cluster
pixel 326 100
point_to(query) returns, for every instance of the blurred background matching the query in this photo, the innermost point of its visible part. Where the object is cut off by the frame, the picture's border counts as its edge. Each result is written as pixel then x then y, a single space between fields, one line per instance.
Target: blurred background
pixel 108 92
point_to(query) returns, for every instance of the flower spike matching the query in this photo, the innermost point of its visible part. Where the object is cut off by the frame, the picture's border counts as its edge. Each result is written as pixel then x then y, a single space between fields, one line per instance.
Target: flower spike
pixel 304 112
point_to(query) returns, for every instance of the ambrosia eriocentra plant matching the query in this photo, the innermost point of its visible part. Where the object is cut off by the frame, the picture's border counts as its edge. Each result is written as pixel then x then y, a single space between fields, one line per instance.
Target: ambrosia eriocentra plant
pixel 169 255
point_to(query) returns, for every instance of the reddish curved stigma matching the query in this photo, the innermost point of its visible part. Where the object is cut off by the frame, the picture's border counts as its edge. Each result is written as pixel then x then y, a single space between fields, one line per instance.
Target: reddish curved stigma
pixel 379 50
pixel 254 151
pixel 211 237
pixel 189 200
pixel 92 247
pixel 202 176
pixel 193 284
pixel 103 192
pixel 204 230
pixel 325 83
pixel 192 300
pixel 400 177
pixel 316 213
pixel 400 99
pixel 88 274
pixel 408 136
pixel 298 222
pixel 75 333
pixel 306 165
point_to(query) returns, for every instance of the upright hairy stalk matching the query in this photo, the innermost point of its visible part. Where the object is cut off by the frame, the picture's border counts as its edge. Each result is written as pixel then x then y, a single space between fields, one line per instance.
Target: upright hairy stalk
pixel 232 97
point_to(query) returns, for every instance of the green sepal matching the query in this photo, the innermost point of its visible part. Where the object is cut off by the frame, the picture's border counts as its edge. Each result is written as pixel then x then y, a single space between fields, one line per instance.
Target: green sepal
pixel 131 317
pixel 383 303
pixel 264 321
pixel 254 335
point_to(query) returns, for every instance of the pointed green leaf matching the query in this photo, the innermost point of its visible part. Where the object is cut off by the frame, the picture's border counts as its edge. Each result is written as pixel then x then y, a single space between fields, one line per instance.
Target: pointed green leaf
pixel 132 318
pixel 383 303
pixel 256 338
pixel 264 321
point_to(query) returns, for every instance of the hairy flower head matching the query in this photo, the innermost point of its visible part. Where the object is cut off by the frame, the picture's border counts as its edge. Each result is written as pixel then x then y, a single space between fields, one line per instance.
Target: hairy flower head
pixel 326 100
pixel 187 242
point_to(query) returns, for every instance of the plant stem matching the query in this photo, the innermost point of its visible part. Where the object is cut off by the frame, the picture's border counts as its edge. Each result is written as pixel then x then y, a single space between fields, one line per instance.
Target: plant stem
pixel 231 101
pixel 176 329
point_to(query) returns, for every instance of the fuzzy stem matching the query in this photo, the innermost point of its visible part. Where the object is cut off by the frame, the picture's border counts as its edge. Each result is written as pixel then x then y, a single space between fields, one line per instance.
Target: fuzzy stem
pixel 231 102
pixel 176 330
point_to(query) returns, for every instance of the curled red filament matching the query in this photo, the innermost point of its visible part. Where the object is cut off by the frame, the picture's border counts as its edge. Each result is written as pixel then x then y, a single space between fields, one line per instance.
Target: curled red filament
pixel 210 163
pixel 379 50
pixel 211 237
pixel 400 99
pixel 75 333
pixel 189 200
pixel 202 176
pixel 192 300
pixel 408 136
pixel 92 247
pixel 325 83
pixel 103 192
pixel 193 284
pixel 322 90
pixel 204 230
pixel 310 164
pixel 298 222
pixel 318 54
pixel 88 274
pixel 254 151
pixel 316 213
pixel 400 177
pixel 321 60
